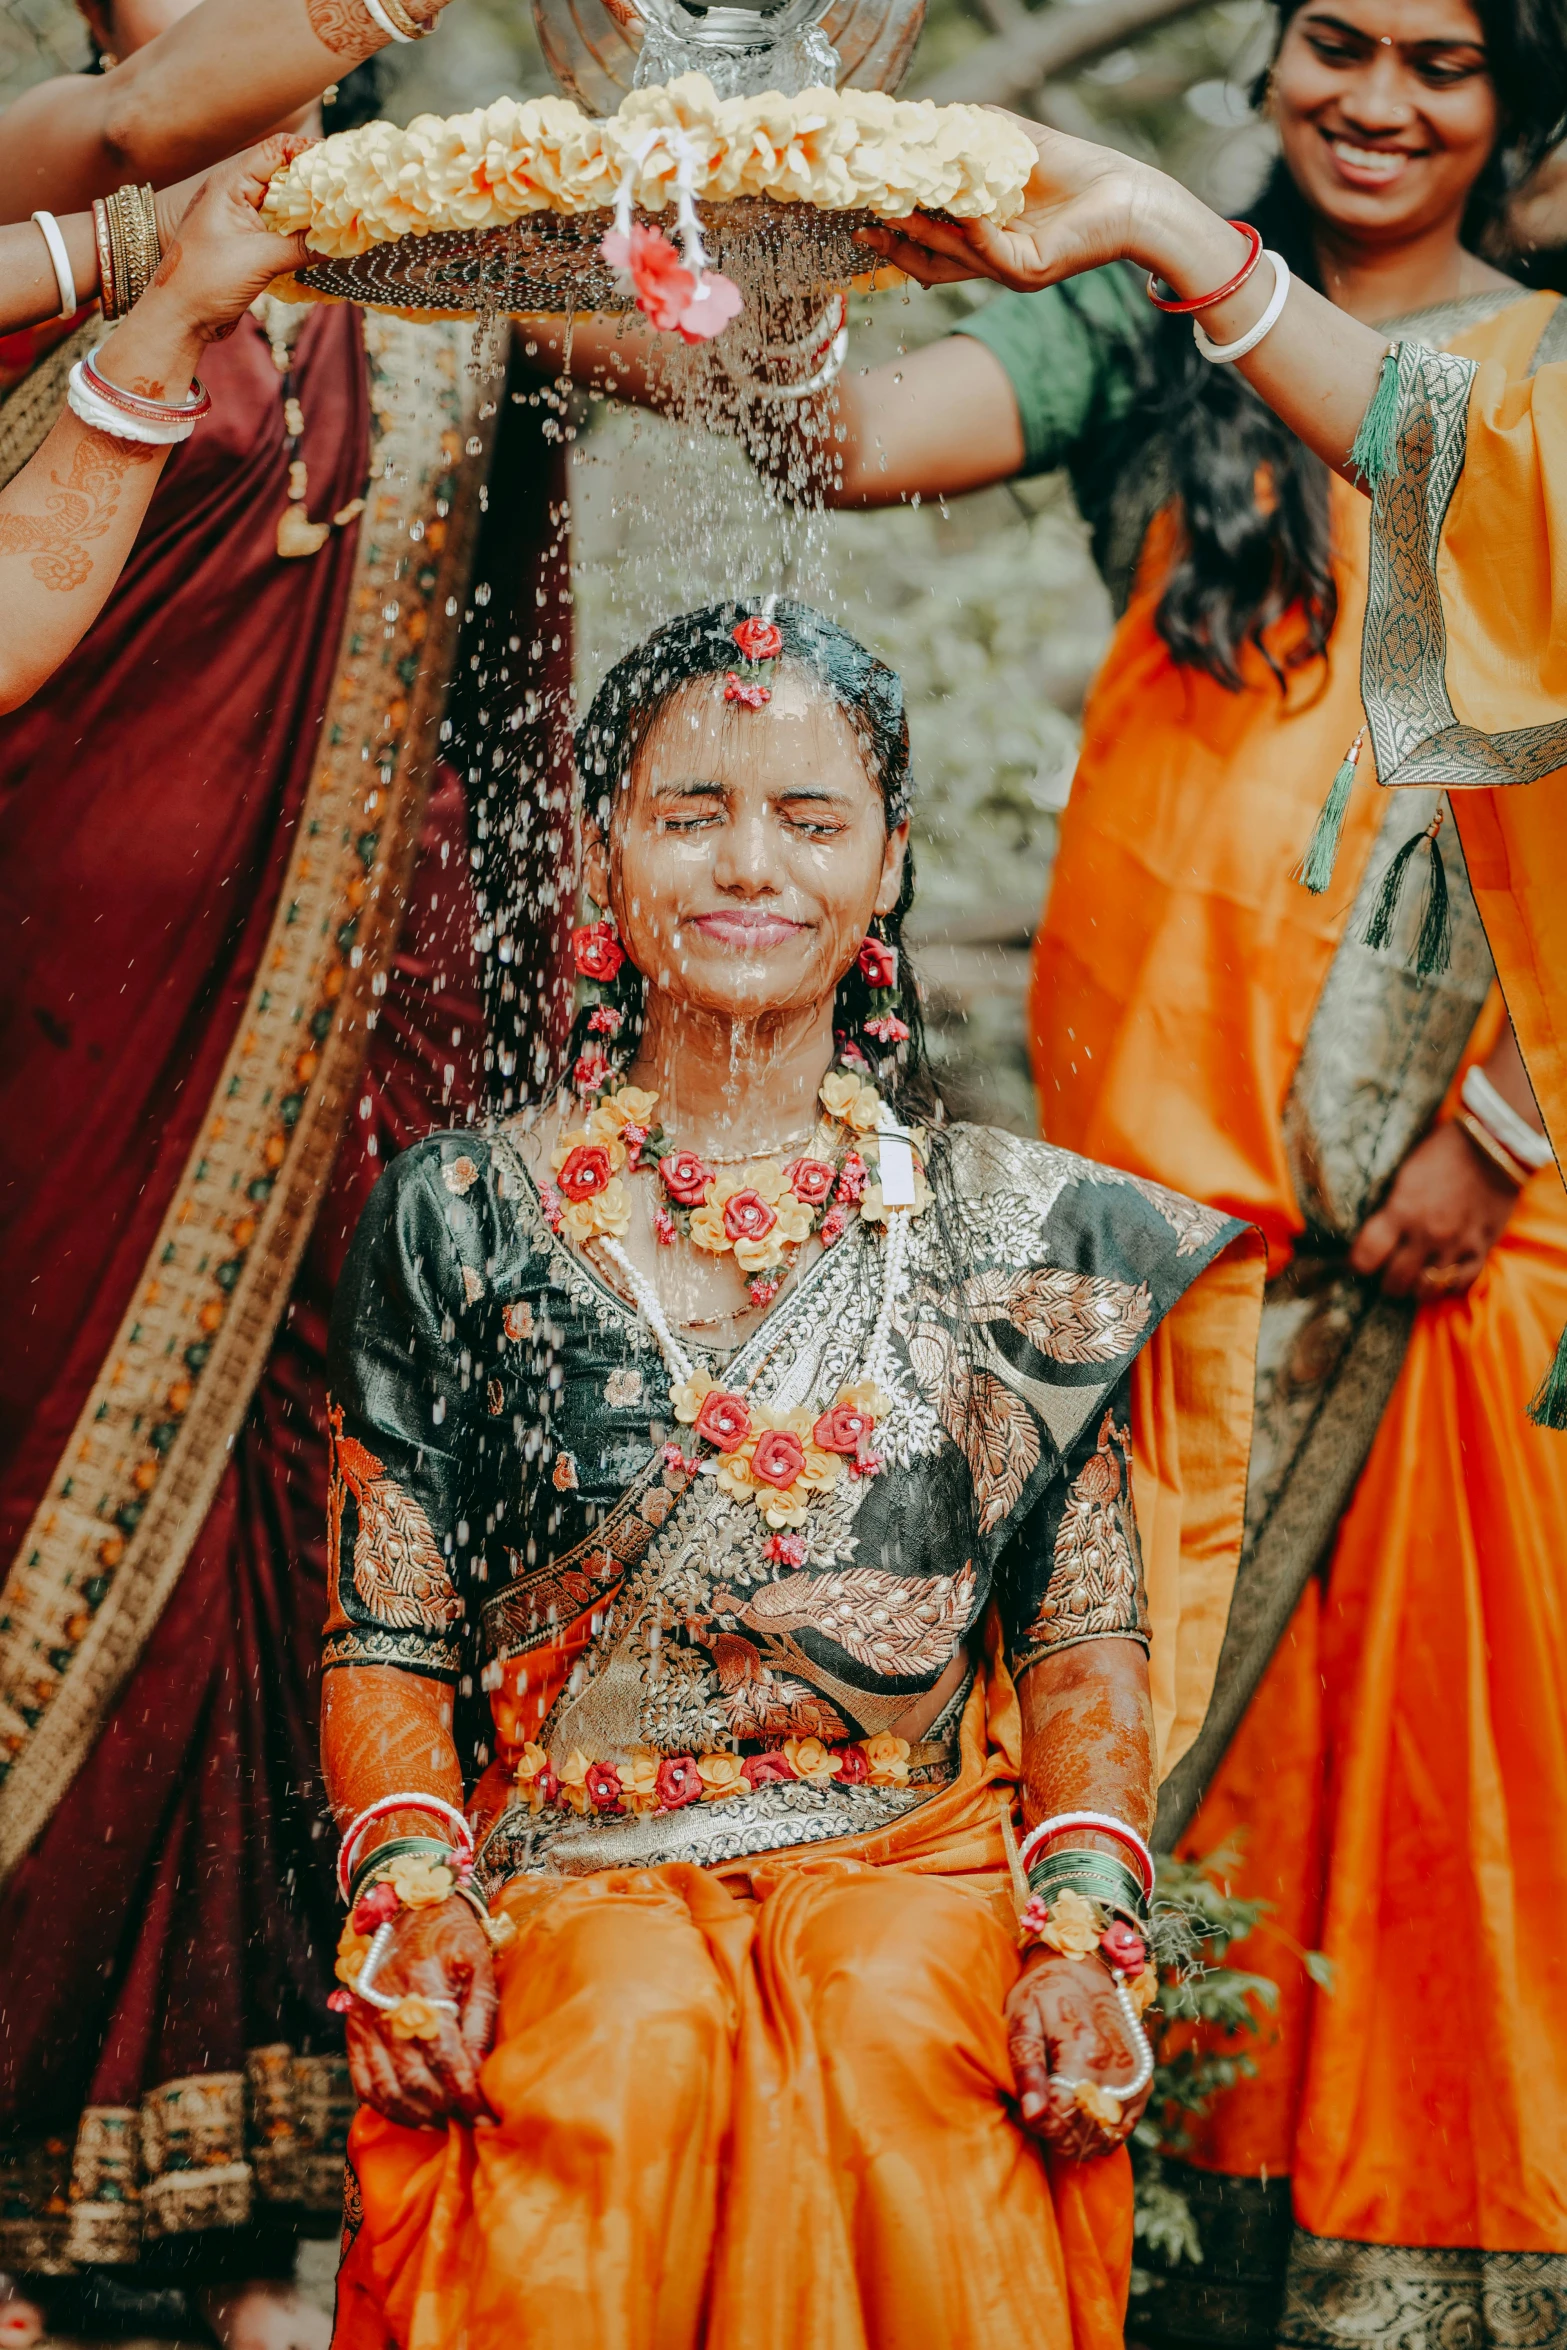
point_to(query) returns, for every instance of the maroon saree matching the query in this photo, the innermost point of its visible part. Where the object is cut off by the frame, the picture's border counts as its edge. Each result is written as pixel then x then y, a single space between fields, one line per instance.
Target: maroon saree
pixel 168 2068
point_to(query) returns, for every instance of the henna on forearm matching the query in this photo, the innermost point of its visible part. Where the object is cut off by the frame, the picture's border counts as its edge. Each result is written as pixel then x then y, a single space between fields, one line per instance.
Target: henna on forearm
pixel 346 27
pixel 79 508
pixel 386 1732
pixel 1088 1741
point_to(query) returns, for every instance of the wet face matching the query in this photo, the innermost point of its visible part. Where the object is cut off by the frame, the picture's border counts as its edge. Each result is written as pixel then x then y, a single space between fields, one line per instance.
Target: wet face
pixel 750 851
pixel 1385 112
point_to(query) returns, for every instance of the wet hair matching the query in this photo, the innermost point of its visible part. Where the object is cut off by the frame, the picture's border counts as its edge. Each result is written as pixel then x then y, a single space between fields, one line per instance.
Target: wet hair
pixel 1255 539
pixel 702 644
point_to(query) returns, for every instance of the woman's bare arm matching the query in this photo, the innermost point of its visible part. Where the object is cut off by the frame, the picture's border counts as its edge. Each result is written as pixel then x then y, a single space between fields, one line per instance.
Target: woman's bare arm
pixel 389 1732
pixel 69 518
pixel 1085 206
pixel 213 83
pixel 938 423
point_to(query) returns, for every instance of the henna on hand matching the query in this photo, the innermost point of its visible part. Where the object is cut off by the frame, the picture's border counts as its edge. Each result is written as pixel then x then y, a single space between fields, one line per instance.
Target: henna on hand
pixel 436 1952
pixel 1064 2024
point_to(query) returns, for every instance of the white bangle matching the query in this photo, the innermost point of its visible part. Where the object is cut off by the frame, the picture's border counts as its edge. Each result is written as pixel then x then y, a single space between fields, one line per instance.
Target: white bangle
pixel 1105 1824
pixel 378 15
pixel 100 416
pixel 1515 1134
pixel 49 229
pixel 434 1806
pixel 1226 354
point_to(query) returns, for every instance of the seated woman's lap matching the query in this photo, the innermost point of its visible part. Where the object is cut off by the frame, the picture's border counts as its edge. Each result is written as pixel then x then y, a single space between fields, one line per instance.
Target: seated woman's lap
pixel 724 2120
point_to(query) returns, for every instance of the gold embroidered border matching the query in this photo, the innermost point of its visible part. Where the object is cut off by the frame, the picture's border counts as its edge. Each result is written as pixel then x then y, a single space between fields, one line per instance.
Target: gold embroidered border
pixel 1415 732
pixel 138 1474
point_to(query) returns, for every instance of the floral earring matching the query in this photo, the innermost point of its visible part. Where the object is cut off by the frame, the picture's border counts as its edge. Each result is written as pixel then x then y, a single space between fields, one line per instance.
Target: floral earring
pixel 879 969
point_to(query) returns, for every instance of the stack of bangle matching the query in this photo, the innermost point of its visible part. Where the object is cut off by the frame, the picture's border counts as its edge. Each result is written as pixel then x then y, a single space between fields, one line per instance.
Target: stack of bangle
pixel 819 353
pixel 433 1807
pixel 108 407
pixel 125 229
pixel 1517 1149
pixel 396 21
pixel 1098 1876
pixel 404 1872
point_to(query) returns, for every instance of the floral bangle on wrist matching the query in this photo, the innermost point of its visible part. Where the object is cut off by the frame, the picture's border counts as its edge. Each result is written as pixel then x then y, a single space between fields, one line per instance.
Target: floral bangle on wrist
pixel 410 1872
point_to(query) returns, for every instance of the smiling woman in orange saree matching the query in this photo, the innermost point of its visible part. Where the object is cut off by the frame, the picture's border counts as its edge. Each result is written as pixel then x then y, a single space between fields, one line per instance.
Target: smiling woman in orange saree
pixel 1399 1780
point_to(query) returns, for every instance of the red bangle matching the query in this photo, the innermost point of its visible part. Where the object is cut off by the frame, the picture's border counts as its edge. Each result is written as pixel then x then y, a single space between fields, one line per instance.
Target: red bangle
pixel 154 411
pixel 1206 301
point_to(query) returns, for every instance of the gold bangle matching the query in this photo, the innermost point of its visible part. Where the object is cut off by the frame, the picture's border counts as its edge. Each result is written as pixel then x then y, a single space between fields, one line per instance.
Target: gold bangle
pixel 133 229
pixel 406 22
pixel 122 259
pixel 145 222
pixel 108 300
pixel 1498 1153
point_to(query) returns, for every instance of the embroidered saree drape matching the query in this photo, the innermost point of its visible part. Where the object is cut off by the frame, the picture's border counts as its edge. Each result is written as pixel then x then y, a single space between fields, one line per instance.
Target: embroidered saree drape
pixel 216 1023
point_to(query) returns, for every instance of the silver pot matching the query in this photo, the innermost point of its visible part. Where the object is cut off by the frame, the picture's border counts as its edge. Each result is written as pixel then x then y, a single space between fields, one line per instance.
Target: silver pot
pixel 597 50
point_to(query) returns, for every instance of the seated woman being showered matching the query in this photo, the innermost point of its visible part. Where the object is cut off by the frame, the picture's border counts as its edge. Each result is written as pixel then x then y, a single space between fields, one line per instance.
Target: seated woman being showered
pixel 762 1446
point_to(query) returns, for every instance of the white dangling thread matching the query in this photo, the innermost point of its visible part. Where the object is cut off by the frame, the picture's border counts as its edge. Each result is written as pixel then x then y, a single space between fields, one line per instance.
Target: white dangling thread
pixel 877 1353
pixel 687 225
pixel 669 1346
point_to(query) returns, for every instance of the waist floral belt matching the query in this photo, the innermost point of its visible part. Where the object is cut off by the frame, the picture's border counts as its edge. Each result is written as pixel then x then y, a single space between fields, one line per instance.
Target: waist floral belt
pixel 644 1809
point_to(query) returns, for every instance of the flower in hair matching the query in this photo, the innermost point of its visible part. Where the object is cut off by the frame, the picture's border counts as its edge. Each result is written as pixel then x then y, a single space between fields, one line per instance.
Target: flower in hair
pixel 889 1029
pixel 851 1101
pixel 604 1020
pixel 752 697
pixel 758 639
pixel 879 963
pixel 590 1071
pixel 597 952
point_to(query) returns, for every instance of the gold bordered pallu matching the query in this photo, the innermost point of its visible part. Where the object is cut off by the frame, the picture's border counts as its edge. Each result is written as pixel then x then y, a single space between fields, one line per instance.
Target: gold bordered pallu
pixel 134 1483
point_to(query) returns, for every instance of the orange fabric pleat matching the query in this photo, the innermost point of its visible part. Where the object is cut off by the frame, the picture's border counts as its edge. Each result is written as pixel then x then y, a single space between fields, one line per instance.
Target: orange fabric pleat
pixel 1424 2099
pixel 1265 1807
pixel 754 2108
pixel 1435 2101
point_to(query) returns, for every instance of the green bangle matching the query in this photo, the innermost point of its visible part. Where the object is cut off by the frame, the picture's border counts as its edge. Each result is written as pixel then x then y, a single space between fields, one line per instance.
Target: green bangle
pixel 426 1847
pixel 1095 1875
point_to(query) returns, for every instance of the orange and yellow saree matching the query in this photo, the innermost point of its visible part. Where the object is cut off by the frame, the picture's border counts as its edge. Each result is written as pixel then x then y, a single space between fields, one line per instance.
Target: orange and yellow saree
pixel 1400 1775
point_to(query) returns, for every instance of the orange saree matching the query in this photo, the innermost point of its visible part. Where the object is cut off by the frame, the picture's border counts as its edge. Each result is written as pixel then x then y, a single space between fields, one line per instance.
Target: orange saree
pixel 1400 1775
pixel 758 2106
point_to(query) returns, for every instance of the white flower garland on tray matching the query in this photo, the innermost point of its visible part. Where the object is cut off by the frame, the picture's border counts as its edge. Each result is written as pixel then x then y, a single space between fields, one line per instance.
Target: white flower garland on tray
pixel 840 150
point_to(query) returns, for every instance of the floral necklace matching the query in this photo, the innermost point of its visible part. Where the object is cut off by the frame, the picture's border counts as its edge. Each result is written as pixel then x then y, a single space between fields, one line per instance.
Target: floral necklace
pixel 784 1454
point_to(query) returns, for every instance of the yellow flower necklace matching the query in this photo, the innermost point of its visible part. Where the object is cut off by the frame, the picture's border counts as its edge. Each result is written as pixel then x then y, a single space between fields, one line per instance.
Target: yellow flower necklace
pixel 780 1455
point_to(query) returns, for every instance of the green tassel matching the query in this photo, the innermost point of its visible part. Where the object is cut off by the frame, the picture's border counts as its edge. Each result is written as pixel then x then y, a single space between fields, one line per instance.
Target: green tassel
pixel 1375 453
pixel 1379 930
pixel 1434 947
pixel 1316 868
pixel 1548 1408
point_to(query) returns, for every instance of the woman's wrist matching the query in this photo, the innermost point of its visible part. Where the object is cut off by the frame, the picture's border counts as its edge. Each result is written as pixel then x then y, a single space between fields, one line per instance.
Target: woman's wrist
pixel 1176 236
pixel 155 344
